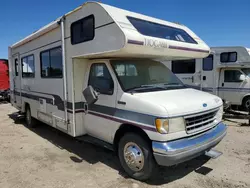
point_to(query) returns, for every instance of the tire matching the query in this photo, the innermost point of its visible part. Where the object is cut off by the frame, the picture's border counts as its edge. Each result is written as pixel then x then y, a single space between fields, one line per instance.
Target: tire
pixel 30 121
pixel 246 103
pixel 131 144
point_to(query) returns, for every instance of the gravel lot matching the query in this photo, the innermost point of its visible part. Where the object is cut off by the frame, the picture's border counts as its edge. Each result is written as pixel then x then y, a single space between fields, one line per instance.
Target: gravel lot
pixel 44 157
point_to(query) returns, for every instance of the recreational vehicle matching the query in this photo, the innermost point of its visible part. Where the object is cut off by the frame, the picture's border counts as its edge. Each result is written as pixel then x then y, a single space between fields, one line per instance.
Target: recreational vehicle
pixel 95 74
pixel 225 73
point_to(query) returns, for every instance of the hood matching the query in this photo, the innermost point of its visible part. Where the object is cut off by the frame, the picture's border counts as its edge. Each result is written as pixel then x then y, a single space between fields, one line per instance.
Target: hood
pixel 181 102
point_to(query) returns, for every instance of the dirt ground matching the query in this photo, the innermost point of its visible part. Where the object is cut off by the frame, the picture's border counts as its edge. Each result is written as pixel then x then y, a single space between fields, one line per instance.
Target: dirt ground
pixel 44 157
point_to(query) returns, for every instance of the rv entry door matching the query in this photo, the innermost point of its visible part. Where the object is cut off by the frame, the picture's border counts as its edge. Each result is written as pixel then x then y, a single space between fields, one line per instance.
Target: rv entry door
pixel 16 75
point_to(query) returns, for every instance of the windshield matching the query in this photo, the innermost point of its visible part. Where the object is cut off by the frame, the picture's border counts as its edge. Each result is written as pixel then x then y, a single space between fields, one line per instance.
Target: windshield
pixel 145 75
pixel 246 71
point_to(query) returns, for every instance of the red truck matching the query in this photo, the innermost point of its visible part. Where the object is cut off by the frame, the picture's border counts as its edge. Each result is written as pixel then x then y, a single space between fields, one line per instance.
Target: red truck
pixel 4 79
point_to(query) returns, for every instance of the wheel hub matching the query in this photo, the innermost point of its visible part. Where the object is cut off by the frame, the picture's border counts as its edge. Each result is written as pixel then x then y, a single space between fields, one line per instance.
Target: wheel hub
pixel 133 156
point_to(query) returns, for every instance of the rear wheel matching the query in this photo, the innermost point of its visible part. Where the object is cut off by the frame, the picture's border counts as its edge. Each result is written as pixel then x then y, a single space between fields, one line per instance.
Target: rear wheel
pixel 246 103
pixel 136 156
pixel 30 121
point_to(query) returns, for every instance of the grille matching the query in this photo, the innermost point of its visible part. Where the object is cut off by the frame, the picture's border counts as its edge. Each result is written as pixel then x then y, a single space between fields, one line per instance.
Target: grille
pixel 200 122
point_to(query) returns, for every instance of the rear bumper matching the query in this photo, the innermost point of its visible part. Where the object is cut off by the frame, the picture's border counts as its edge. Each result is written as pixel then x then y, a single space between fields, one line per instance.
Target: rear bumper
pixel 178 151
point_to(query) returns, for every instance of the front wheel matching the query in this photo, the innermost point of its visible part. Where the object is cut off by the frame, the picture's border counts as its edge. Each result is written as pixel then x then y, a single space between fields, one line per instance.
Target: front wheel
pixel 136 156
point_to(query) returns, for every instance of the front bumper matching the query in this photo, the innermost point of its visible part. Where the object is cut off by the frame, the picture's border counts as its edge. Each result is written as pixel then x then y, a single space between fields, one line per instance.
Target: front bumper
pixel 178 151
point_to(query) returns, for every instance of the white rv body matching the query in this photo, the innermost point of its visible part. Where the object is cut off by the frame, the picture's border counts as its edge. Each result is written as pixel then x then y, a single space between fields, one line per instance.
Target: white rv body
pixel 220 74
pixel 62 68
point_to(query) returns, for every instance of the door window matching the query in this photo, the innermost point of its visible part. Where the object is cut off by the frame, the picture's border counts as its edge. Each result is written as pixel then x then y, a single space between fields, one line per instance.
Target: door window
pixel 232 76
pixel 16 67
pixel 183 66
pixel 28 67
pixel 207 64
pixel 100 79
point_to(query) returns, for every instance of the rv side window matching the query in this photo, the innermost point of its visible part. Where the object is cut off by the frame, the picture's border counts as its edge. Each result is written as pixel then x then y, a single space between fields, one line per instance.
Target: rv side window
pixel 208 63
pixel 28 67
pixel 16 67
pixel 100 79
pixel 227 57
pixel 232 76
pixel 51 63
pixel 183 66
pixel 83 30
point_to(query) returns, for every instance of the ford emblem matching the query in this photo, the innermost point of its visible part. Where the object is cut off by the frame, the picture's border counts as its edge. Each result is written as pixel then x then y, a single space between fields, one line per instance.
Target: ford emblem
pixel 204 105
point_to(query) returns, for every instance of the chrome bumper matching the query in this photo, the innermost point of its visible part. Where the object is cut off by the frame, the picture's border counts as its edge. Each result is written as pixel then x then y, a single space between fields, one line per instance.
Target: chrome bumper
pixel 178 151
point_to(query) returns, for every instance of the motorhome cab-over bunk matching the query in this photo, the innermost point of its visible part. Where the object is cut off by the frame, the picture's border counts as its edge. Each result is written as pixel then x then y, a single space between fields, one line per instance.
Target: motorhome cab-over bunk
pixel 96 73
pixel 225 73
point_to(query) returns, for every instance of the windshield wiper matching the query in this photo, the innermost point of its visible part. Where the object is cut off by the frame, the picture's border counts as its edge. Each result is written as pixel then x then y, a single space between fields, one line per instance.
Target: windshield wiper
pixel 173 84
pixel 168 85
pixel 141 87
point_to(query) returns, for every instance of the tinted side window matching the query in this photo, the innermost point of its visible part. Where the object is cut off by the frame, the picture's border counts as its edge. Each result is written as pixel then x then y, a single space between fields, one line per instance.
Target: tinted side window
pixel 83 30
pixel 16 67
pixel 28 67
pixel 160 31
pixel 183 66
pixel 228 57
pixel 100 79
pixel 207 63
pixel 232 76
pixel 51 63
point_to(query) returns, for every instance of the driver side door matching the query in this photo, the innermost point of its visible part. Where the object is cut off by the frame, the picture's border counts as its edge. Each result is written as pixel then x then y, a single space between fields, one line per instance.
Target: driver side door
pixel 231 88
pixel 98 120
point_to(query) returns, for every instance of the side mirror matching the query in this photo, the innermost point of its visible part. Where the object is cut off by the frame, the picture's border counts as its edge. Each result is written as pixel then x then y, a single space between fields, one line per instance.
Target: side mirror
pixel 242 77
pixel 90 95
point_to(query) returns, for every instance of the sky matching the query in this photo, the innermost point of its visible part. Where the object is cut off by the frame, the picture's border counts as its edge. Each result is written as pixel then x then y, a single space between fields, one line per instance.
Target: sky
pixel 217 22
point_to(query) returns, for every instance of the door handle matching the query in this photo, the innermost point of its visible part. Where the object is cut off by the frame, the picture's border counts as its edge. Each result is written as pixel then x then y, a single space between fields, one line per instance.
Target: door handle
pixel 222 84
pixel 204 78
pixel 193 79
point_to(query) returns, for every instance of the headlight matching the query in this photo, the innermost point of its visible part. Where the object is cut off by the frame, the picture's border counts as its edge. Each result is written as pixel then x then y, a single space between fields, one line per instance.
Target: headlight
pixel 176 124
pixel 171 125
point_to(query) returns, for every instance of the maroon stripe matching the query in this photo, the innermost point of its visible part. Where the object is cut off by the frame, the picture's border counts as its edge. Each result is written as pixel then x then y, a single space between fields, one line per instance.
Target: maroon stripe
pixel 187 49
pixel 123 121
pixel 135 42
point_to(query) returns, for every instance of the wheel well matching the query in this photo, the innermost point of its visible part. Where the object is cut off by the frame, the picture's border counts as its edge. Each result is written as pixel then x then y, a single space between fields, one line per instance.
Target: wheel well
pixel 244 98
pixel 125 128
